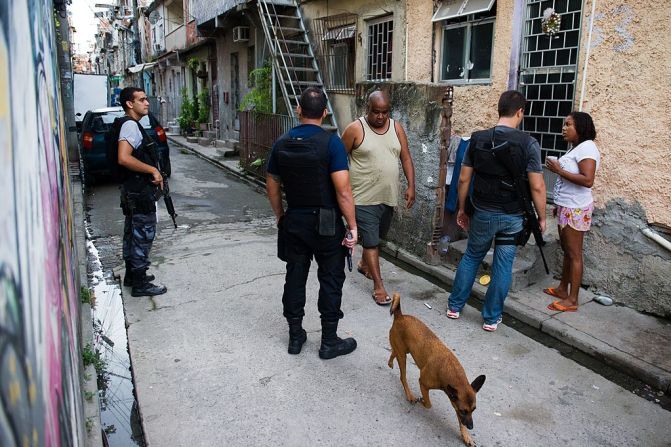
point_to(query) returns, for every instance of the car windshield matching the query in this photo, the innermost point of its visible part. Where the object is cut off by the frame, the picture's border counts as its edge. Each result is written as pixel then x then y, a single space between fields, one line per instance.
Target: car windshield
pixel 102 121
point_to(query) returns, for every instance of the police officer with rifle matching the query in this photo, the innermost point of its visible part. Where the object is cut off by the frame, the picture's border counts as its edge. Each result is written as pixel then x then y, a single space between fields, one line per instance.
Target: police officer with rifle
pixel 142 186
pixel 311 164
pixel 504 164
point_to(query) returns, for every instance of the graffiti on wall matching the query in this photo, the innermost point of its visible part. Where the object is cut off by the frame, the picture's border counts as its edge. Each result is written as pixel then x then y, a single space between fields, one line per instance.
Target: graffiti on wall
pixel 40 394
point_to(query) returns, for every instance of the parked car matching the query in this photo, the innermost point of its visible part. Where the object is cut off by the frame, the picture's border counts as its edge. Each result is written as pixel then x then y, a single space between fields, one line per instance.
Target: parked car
pixel 95 125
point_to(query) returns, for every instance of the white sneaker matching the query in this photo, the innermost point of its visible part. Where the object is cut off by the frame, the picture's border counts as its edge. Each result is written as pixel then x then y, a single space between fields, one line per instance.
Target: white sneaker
pixel 492 327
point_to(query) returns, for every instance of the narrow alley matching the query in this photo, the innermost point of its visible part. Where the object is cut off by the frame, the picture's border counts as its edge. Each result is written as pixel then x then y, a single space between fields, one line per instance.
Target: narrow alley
pixel 210 364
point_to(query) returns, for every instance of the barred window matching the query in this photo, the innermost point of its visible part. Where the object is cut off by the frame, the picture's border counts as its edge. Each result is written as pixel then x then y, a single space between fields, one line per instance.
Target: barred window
pixel 468 39
pixel 335 51
pixel 380 37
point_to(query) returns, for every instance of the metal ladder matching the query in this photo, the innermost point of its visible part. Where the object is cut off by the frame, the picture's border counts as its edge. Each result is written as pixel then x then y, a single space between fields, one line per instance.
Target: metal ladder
pixel 295 63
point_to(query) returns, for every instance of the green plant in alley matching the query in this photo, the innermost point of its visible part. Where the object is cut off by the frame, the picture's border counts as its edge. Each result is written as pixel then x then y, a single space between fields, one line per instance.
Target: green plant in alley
pixel 89 423
pixel 259 98
pixel 193 63
pixel 188 113
pixel 85 295
pixel 93 357
pixel 204 111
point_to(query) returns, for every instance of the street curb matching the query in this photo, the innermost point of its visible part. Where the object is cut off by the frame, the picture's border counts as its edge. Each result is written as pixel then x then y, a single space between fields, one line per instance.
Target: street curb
pixel 622 361
pixel 239 175
pixel 598 349
pixel 88 378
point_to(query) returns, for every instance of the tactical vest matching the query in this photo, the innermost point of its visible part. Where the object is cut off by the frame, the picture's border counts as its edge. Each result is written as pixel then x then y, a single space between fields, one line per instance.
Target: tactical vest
pixel 304 168
pixel 493 186
pixel 145 152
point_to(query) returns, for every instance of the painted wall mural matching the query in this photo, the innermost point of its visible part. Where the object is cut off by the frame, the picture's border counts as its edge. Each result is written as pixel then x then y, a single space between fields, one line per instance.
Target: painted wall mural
pixel 40 393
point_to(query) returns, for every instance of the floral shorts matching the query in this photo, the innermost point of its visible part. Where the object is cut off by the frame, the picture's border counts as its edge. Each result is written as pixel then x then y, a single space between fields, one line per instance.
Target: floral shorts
pixel 577 218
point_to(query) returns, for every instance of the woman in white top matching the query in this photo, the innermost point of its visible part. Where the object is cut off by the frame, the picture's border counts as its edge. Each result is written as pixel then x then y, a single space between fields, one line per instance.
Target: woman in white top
pixel 573 204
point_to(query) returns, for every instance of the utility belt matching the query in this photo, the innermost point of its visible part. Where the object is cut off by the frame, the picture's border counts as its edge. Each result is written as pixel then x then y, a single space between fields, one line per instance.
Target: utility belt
pixel 327 218
pixel 520 238
pixel 138 196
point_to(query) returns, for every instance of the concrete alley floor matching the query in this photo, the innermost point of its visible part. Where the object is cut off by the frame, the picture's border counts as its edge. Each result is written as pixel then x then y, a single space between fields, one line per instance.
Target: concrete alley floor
pixel 211 368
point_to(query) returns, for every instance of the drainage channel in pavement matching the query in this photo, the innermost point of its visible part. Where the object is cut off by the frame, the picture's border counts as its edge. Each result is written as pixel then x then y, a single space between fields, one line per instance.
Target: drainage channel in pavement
pixel 119 413
pixel 626 381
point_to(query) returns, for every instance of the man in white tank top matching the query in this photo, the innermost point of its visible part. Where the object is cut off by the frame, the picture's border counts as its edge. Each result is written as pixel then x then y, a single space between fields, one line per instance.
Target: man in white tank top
pixel 375 143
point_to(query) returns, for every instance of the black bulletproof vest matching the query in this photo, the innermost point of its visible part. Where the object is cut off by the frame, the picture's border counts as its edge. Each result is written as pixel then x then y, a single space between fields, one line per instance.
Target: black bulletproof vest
pixel 304 169
pixel 493 185
pixel 143 153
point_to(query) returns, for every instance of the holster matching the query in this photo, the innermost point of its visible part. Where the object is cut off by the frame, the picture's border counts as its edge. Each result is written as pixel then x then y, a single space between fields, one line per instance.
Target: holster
pixel 281 240
pixel 139 199
pixel 326 225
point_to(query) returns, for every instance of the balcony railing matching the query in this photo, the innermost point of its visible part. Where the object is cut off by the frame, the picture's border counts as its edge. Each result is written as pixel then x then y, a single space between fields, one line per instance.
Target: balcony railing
pixel 176 40
pixel 258 132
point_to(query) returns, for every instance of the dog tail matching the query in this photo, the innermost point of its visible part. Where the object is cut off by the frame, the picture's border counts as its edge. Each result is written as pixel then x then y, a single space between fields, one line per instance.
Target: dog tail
pixel 395 308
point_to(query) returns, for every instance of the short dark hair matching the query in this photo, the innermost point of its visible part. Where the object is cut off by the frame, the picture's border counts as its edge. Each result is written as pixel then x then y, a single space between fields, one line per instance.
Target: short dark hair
pixel 584 126
pixel 510 102
pixel 313 102
pixel 128 94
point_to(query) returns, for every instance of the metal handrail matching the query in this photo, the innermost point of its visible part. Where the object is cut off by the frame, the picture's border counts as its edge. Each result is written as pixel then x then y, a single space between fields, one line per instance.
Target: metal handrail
pixel 283 67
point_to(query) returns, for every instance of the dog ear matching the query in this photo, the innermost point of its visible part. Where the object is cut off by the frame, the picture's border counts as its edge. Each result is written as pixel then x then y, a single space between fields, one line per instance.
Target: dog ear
pixel 478 382
pixel 451 393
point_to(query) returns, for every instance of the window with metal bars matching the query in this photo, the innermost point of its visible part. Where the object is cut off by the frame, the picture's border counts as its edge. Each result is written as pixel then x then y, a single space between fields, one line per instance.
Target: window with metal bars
pixel 548 72
pixel 380 38
pixel 468 41
pixel 335 50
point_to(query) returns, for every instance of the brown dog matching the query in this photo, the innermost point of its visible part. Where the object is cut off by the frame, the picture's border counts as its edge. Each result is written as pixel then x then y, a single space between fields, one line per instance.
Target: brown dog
pixel 439 369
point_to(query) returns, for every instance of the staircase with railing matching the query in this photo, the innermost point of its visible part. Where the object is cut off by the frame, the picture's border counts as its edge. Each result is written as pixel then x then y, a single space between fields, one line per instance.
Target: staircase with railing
pixel 294 60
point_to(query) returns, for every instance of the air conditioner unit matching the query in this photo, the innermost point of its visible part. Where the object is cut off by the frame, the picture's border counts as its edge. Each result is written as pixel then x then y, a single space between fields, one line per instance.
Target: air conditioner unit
pixel 240 34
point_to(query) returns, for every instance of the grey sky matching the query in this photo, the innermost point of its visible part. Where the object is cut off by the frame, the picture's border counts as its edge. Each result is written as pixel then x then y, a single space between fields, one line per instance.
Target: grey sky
pixel 84 22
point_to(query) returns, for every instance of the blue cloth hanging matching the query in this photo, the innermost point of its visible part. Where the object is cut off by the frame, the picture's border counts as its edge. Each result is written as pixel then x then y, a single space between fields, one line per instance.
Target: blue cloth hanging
pixel 452 195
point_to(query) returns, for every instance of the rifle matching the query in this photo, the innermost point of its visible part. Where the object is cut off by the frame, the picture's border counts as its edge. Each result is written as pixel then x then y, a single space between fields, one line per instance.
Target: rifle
pixel 503 155
pixel 169 206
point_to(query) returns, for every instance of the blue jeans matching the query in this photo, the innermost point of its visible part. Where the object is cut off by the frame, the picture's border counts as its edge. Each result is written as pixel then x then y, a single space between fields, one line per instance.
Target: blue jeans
pixel 485 226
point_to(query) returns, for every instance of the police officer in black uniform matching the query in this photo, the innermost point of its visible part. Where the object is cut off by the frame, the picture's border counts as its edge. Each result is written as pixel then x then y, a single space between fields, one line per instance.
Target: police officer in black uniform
pixel 141 187
pixel 311 163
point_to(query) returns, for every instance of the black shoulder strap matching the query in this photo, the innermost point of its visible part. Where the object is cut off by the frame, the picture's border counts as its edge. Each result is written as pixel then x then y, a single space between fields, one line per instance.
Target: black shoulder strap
pixel 323 137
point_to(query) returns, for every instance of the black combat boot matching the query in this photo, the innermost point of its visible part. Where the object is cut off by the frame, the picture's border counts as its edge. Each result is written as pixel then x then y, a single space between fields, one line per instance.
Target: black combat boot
pixel 142 286
pixel 128 276
pixel 332 345
pixel 297 335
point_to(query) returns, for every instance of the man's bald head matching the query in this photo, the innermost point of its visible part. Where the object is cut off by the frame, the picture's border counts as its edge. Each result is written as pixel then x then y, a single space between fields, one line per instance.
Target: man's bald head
pixel 378 97
pixel 377 112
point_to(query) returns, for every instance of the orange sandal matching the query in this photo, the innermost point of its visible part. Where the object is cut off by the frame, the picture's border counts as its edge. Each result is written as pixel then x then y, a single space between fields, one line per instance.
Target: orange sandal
pixel 558 307
pixel 552 292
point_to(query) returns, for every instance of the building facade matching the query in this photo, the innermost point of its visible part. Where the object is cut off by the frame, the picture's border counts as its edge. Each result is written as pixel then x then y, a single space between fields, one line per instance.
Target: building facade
pixel 604 57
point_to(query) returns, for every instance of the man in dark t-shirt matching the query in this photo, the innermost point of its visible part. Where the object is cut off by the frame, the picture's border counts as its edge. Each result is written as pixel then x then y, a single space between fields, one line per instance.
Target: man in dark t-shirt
pixel 498 214
pixel 311 164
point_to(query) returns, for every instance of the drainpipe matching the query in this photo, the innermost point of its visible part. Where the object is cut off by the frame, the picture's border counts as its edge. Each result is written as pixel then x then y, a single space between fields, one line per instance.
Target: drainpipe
pixel 657 238
pixel 516 45
pixel 405 77
pixel 274 93
pixel 589 47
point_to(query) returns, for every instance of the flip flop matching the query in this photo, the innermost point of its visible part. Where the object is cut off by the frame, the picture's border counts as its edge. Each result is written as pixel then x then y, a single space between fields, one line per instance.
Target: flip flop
pixel 386 301
pixel 552 292
pixel 558 307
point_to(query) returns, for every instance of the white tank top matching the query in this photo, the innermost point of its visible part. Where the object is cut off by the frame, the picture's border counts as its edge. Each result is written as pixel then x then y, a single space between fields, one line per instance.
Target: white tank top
pixel 373 167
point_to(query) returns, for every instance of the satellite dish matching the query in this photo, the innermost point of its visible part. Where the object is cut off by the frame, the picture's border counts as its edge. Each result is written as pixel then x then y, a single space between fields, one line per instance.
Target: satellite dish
pixel 154 17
